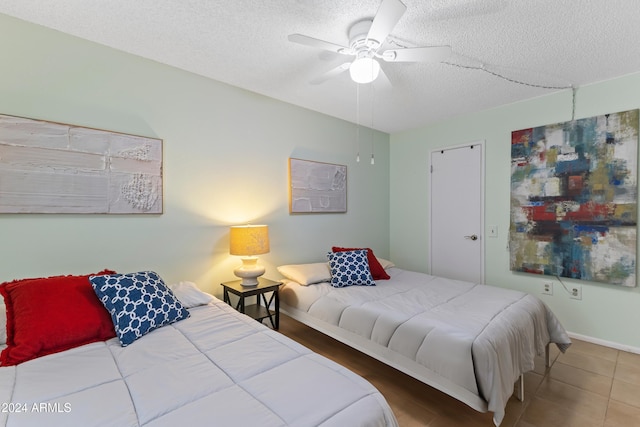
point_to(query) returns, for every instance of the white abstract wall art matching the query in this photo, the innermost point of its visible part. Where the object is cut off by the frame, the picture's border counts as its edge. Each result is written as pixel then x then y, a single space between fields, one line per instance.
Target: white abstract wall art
pixel 48 167
pixel 316 187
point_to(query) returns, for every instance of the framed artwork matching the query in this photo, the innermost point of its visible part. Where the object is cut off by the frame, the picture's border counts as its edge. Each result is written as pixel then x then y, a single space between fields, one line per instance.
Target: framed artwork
pixel 48 167
pixel 574 199
pixel 316 187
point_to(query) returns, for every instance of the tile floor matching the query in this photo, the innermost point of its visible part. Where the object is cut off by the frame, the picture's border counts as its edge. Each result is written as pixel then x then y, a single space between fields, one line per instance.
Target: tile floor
pixel 589 385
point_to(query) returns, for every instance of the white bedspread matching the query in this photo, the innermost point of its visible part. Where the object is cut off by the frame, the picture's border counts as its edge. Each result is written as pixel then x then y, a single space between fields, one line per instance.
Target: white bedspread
pixel 216 368
pixel 477 337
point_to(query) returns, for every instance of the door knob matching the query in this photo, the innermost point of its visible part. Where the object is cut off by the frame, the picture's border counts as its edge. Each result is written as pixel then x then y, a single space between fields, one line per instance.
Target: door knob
pixel 472 237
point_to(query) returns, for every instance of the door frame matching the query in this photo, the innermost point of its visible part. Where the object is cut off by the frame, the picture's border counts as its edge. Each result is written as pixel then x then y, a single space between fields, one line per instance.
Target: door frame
pixel 483 234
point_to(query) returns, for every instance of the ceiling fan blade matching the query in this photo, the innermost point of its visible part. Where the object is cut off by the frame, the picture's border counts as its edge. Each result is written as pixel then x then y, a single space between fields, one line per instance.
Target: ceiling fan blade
pixel 386 18
pixel 331 73
pixel 417 54
pixel 321 44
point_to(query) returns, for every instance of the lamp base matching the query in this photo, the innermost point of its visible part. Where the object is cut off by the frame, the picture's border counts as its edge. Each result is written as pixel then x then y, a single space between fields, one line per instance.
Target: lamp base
pixel 249 271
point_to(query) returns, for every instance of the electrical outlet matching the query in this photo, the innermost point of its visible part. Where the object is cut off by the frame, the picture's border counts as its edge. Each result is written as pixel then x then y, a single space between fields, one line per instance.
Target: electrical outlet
pixel 576 292
pixel 547 288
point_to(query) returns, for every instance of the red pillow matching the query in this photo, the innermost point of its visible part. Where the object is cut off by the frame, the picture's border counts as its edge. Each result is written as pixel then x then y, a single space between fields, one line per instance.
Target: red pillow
pixel 377 271
pixel 50 315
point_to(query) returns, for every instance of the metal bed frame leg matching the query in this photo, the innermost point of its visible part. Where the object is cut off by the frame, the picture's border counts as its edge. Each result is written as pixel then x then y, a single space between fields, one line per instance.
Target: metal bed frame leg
pixel 521 387
pixel 547 363
pixel 547 356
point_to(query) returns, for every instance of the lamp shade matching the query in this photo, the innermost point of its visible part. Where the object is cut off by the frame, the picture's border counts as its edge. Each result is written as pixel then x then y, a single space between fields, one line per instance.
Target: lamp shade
pixel 248 240
pixel 364 70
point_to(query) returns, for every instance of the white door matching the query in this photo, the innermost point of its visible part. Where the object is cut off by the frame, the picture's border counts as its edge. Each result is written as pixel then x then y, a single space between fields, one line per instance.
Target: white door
pixel 457 212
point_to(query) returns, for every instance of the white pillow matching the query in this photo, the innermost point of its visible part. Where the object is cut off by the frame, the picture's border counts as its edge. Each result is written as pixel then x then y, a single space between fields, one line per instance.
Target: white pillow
pixel 3 322
pixel 190 295
pixel 385 263
pixel 306 274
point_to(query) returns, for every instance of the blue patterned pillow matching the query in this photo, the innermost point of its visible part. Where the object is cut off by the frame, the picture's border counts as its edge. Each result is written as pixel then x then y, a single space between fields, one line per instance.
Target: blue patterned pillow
pixel 350 268
pixel 138 303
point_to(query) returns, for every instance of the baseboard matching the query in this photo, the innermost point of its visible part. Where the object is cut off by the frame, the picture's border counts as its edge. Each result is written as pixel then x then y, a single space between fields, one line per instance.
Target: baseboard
pixel 605 343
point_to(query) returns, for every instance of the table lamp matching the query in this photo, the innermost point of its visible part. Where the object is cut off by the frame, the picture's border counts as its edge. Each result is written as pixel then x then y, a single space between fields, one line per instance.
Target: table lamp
pixel 248 241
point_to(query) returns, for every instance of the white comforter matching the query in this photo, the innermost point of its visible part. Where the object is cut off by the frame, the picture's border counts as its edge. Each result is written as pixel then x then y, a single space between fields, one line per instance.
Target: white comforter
pixel 218 368
pixel 478 337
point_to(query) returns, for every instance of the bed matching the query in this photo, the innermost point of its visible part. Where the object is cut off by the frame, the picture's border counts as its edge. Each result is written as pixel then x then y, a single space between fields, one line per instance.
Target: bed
pixel 214 366
pixel 470 341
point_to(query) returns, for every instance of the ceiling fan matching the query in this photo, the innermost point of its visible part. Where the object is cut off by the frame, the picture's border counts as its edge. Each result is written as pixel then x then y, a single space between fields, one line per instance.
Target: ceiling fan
pixel 366 38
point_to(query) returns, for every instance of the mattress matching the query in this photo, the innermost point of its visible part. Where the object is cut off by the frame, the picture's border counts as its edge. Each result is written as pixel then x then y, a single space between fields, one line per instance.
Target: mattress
pixel 470 341
pixel 218 367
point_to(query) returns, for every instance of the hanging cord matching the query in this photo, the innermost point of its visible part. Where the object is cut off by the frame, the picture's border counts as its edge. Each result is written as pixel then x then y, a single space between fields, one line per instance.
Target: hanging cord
pixel 563 285
pixel 484 68
pixel 509 79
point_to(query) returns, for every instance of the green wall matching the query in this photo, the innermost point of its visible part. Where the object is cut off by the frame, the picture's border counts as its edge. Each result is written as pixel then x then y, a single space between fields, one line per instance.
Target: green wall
pixel 607 314
pixel 226 155
pixel 225 162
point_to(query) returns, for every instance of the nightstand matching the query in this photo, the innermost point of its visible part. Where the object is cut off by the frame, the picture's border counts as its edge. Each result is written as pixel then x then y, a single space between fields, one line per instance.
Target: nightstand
pixel 257 311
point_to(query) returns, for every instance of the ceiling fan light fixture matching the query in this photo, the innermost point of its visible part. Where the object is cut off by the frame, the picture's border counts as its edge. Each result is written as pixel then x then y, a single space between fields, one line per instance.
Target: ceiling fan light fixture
pixel 364 70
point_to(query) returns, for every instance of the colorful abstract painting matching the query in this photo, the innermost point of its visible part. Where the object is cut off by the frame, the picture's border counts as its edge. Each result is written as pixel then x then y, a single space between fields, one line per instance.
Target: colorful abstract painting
pixel 574 199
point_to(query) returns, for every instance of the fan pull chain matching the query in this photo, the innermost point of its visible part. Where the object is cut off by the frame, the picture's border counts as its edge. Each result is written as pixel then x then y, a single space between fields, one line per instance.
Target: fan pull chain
pixel 358 122
pixel 574 91
pixel 373 93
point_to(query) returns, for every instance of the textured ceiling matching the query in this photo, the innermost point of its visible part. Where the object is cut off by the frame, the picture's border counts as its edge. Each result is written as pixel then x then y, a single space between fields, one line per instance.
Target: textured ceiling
pixel 556 43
